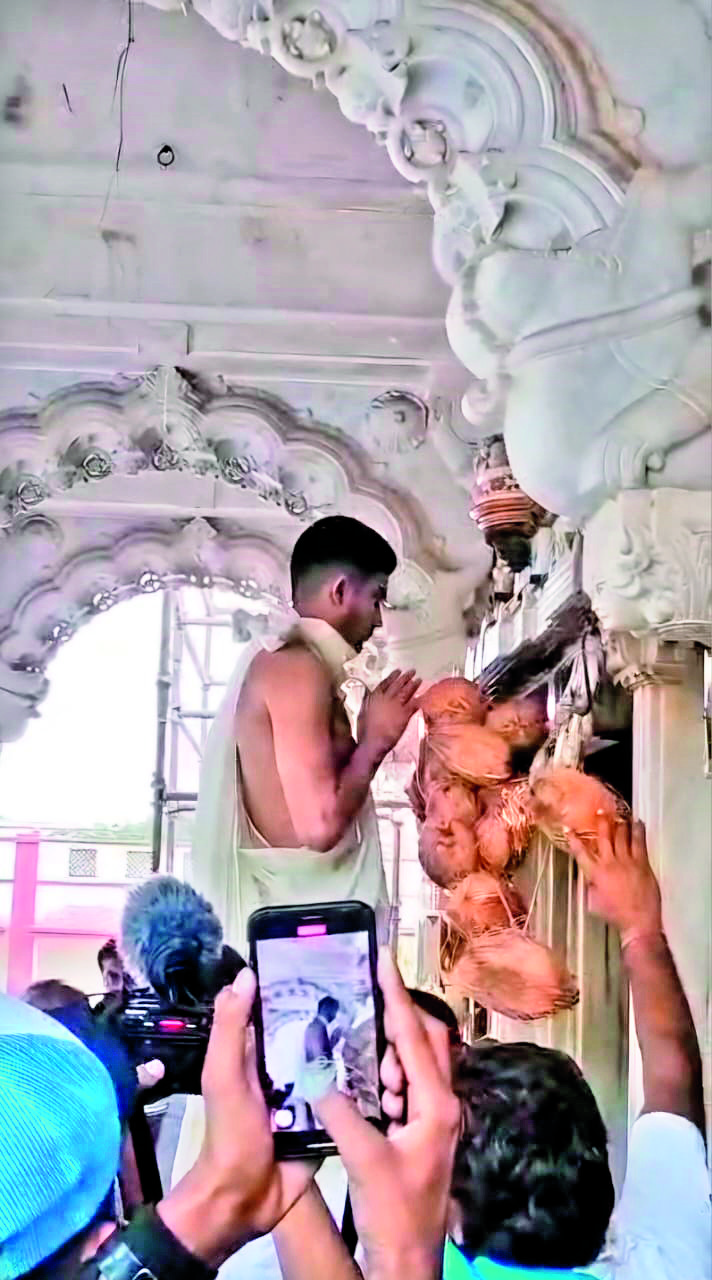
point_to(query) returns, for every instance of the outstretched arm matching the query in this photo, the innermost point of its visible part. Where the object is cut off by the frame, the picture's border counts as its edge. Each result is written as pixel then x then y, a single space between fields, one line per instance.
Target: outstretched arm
pixel 322 798
pixel 308 1244
pixel 624 891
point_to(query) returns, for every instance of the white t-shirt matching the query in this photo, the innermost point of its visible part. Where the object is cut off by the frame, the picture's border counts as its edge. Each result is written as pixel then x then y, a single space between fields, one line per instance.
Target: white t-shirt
pixel 662 1225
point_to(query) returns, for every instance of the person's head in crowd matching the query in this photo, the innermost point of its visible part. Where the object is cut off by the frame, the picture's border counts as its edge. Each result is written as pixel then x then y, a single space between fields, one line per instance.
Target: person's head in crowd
pixel 531 1183
pixel 439 1009
pixel 340 570
pixel 71 1007
pixel 60 1138
pixel 50 994
pixel 111 967
pixel 328 1009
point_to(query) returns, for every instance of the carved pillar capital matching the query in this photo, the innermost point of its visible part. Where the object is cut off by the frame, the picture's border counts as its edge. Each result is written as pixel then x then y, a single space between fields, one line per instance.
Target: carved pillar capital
pixel 647 568
pixel 637 661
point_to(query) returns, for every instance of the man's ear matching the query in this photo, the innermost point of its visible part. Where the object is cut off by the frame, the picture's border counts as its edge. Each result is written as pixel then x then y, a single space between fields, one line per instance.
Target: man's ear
pixel 338 590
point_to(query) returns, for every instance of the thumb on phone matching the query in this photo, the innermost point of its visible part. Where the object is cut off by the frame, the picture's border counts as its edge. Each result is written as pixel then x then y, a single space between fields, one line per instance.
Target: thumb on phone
pixel 227 1060
pixel 359 1143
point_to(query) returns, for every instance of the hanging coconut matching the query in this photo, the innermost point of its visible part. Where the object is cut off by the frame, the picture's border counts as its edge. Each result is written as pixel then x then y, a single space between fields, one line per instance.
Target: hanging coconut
pixel 565 800
pixel 448 801
pixel 471 751
pixel 429 774
pixel 434 771
pixel 505 827
pixel 453 701
pixel 447 855
pixel 521 722
pixel 512 974
pixel 482 902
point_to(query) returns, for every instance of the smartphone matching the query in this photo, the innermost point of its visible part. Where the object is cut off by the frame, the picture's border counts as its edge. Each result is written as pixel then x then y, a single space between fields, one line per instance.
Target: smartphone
pixel 318 1010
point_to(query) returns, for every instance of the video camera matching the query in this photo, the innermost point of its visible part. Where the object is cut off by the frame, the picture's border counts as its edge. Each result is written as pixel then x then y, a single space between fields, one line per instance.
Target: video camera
pixel 172 937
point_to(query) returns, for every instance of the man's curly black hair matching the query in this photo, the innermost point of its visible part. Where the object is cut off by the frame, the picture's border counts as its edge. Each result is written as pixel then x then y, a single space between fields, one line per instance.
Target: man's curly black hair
pixel 531 1175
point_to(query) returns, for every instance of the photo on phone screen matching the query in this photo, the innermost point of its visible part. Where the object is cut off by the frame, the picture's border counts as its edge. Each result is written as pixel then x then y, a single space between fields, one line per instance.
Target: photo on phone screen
pixel 318 1015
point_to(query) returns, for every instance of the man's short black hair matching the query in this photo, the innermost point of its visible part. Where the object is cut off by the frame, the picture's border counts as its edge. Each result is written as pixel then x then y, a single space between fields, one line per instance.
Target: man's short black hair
pixel 438 1008
pixel 531 1175
pixel 328 1007
pixel 343 542
pixel 109 951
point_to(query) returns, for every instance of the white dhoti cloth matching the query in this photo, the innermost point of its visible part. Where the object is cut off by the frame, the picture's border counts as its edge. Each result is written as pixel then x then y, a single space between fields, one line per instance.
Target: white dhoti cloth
pixel 238 872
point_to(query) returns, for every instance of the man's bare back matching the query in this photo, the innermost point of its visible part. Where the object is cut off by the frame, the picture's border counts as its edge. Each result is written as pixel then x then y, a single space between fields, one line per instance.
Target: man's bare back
pixel 275 676
pixel 305 778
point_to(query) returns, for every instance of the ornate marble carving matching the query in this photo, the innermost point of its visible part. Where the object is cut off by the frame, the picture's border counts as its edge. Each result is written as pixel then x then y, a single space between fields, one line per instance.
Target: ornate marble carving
pixel 105 571
pixel 647 564
pixel 396 422
pixel 165 422
pixel 599 355
pixel 427 623
pixel 573 308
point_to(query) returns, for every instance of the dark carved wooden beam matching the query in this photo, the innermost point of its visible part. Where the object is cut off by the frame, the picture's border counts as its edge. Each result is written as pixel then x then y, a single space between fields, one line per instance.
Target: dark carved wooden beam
pixel 534 661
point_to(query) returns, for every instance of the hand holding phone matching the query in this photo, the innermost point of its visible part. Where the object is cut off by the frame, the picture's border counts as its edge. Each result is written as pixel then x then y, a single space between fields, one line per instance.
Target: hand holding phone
pixel 234 1191
pixel 400 1184
pixel 318 1017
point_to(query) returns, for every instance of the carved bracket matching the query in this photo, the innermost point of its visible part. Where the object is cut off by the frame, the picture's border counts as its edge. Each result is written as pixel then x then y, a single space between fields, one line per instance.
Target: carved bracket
pixel 647 565
pixel 635 661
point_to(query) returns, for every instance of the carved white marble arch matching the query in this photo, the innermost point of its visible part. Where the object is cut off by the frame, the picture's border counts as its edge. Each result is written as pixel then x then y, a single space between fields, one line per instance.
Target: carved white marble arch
pixel 68 583
pixel 261 474
pixel 234 438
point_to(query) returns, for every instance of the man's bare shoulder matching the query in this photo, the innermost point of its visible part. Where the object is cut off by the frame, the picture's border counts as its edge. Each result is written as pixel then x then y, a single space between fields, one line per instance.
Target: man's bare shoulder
pixel 294 667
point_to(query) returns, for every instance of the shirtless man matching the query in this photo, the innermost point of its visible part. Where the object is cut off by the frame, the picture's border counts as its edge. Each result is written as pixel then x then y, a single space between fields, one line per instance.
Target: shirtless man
pixel 305 778
pixel 284 810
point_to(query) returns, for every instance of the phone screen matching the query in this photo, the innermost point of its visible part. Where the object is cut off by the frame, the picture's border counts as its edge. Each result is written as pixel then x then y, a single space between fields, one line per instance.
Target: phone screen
pixel 319 1021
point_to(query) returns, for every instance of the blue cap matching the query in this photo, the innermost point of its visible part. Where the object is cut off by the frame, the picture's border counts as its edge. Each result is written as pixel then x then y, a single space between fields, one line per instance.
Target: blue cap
pixel 59 1136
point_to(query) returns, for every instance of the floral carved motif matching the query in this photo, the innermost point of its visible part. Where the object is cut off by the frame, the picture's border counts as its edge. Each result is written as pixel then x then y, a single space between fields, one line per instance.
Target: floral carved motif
pixel 648 564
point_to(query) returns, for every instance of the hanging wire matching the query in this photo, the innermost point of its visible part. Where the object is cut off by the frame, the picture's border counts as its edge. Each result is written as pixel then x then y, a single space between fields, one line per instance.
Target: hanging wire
pixel 119 85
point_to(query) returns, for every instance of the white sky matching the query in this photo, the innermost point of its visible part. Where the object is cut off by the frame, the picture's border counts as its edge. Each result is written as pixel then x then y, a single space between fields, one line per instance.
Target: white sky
pixel 90 756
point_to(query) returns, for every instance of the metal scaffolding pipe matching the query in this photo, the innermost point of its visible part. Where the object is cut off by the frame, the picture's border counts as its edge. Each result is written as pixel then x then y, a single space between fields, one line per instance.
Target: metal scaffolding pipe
pixel 163 688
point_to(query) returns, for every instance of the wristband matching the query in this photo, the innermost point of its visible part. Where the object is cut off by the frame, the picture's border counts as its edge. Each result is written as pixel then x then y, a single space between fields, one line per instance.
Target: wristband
pixel 148 1250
